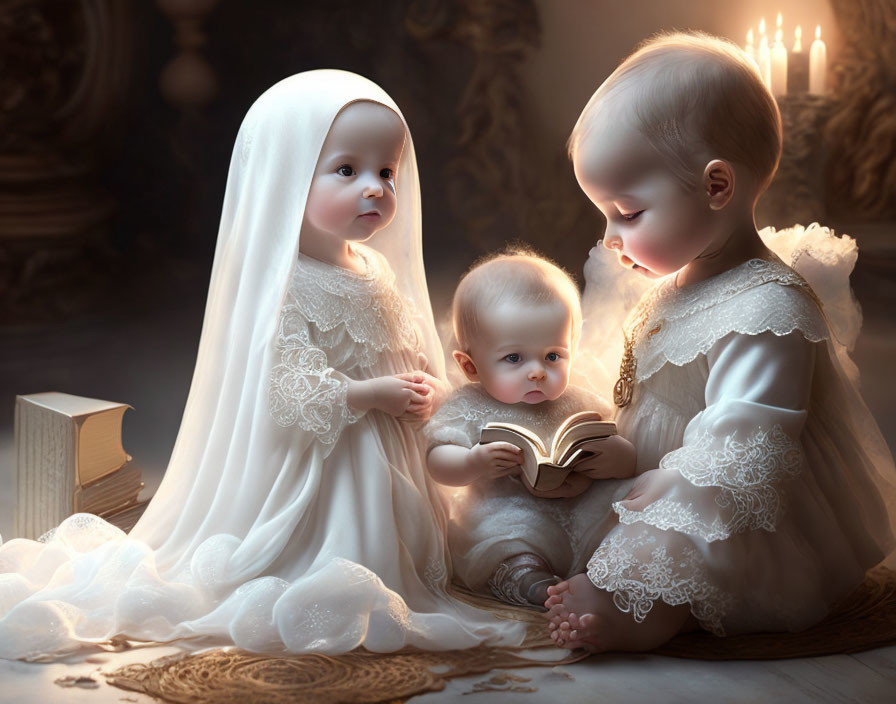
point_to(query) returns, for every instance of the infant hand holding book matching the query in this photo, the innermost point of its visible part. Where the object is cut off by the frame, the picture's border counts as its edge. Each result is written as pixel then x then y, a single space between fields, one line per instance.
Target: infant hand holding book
pixel 525 445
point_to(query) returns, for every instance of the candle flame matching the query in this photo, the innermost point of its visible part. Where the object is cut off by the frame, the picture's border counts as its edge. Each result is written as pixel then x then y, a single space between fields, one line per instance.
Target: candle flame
pixel 818 32
pixel 750 35
pixel 780 19
pixel 762 26
pixel 798 39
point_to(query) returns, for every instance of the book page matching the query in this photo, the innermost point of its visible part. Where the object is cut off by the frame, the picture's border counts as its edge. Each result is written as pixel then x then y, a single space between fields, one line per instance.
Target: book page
pixel 99 445
pixel 578 432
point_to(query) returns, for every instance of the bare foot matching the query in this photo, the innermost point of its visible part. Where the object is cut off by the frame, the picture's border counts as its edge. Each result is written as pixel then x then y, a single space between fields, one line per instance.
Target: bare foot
pixel 583 616
pixel 568 604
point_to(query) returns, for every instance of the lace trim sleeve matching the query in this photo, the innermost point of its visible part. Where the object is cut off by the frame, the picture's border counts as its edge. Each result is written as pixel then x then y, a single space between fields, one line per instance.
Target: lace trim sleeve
pixel 740 452
pixel 740 485
pixel 304 390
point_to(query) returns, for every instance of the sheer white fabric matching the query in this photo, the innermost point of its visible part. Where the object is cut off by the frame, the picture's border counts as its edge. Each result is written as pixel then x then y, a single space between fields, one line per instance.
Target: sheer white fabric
pixel 285 521
pixel 490 521
pixel 774 488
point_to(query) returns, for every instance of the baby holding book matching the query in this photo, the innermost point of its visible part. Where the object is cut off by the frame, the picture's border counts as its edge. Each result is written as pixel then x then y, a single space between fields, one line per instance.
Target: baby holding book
pixel 517 318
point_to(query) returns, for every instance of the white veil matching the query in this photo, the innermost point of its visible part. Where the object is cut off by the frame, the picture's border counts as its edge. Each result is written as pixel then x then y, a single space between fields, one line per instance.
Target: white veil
pixel 226 425
pixel 195 564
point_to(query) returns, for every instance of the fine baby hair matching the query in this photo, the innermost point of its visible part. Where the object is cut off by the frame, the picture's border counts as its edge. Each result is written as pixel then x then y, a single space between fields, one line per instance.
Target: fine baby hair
pixel 688 89
pixel 517 275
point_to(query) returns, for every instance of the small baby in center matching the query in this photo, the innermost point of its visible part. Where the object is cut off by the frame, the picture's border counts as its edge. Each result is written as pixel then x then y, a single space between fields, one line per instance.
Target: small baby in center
pixel 517 319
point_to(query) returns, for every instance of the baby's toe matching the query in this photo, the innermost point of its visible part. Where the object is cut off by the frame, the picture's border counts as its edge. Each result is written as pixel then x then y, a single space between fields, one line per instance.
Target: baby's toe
pixel 559 588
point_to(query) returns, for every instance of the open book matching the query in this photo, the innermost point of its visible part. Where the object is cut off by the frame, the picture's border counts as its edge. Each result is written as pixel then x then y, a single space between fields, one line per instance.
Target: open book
pixel 545 469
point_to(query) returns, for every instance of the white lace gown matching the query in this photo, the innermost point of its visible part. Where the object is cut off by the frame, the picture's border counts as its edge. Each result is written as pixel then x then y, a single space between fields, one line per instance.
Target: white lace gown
pixel 348 549
pixel 492 520
pixel 771 471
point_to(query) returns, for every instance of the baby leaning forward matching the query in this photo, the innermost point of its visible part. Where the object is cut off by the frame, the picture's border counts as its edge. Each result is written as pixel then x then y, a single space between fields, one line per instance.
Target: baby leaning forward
pixel 517 319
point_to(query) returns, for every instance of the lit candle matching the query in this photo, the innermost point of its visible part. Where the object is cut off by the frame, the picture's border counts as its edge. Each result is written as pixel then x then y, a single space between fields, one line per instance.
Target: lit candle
pixel 779 63
pixel 818 64
pixel 764 57
pixel 798 65
pixel 750 48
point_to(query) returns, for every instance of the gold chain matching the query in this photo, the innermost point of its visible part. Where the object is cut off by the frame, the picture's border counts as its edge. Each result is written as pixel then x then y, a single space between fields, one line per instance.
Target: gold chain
pixel 625 385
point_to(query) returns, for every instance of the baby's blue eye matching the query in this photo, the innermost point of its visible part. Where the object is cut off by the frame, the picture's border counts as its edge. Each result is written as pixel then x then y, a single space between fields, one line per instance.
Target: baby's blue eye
pixel 513 358
pixel 631 216
pixel 345 170
pixel 552 356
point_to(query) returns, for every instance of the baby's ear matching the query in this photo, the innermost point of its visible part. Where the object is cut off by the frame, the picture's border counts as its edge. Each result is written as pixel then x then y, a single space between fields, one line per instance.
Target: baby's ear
pixel 465 362
pixel 718 180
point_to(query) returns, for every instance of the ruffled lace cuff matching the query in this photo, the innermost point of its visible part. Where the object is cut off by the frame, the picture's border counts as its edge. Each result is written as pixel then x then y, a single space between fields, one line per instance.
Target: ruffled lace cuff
pixel 739 485
pixel 304 391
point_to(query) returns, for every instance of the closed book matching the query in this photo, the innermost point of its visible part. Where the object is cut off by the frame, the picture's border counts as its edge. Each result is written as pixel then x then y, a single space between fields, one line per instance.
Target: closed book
pixel 117 489
pixel 63 443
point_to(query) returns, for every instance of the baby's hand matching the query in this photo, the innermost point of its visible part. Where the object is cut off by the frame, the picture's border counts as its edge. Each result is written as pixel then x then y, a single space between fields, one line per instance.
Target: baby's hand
pixel 615 459
pixel 649 487
pixel 494 460
pixel 395 396
pixel 421 409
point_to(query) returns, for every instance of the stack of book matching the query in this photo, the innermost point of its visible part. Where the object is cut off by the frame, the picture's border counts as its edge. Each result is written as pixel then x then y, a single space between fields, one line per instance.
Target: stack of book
pixel 69 459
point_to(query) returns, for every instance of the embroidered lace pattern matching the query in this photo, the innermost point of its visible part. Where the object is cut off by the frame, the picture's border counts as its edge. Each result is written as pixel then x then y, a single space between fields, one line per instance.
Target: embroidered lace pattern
pixel 747 476
pixel 303 389
pixel 366 306
pixel 640 568
pixel 681 324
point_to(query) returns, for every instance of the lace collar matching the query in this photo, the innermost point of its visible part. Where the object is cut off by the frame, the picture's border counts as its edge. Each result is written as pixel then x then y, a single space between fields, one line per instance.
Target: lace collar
pixel 672 301
pixel 676 325
pixel 366 303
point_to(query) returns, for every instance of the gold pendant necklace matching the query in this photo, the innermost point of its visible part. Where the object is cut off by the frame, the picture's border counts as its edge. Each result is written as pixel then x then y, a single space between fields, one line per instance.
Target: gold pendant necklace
pixel 625 385
pixel 624 388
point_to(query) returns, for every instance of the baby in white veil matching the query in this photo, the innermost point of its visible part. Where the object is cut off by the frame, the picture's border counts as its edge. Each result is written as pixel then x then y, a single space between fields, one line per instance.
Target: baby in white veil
pixel 295 514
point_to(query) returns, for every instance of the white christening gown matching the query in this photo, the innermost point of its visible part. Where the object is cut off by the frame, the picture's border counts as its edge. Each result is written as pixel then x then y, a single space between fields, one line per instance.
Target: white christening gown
pixel 771 477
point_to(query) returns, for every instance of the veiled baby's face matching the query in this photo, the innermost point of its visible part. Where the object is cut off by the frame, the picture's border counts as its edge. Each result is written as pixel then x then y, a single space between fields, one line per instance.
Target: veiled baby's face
pixel 353 190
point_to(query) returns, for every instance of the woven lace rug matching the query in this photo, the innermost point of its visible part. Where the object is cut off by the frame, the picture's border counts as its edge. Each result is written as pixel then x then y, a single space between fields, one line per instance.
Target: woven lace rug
pixel 867 619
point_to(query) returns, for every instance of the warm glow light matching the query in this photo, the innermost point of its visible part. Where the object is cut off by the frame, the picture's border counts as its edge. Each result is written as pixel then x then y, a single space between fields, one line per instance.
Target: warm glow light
pixel 750 37
pixel 818 65
pixel 798 39
pixel 780 19
pixel 778 70
pixel 762 27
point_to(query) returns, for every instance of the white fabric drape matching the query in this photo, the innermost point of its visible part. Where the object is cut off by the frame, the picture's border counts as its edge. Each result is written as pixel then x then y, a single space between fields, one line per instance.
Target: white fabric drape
pixel 267 532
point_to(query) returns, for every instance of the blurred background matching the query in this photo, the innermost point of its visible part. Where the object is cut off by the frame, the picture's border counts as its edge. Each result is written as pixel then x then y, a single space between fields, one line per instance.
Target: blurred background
pixel 117 118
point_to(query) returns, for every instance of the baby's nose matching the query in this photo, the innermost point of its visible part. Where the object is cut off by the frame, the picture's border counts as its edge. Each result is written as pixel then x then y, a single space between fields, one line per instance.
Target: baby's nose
pixel 612 241
pixel 373 189
pixel 536 373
